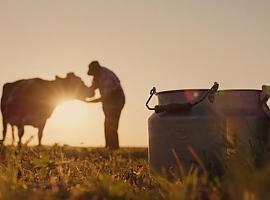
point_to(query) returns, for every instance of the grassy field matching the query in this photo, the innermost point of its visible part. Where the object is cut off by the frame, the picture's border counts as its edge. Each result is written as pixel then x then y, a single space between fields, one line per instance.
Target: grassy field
pixel 63 172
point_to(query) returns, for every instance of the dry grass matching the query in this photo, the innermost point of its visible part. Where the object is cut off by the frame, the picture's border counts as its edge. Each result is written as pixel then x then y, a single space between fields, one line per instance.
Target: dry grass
pixel 62 172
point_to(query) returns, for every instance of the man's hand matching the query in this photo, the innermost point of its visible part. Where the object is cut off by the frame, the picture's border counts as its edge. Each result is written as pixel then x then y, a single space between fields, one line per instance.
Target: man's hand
pixel 93 101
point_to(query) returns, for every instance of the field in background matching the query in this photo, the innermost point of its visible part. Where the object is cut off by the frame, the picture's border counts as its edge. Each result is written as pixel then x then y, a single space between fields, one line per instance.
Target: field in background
pixel 63 172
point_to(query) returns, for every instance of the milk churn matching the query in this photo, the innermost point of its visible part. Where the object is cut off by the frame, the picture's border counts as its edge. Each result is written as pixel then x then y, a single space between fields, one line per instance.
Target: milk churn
pixel 185 124
pixel 247 117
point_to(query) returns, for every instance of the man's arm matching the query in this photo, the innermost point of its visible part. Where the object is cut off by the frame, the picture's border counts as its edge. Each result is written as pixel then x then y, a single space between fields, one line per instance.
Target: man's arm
pixel 100 99
pixel 95 100
pixel 91 92
pixel 92 89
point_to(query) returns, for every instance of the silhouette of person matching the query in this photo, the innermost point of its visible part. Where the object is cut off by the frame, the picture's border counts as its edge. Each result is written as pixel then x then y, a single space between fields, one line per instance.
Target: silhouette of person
pixel 112 97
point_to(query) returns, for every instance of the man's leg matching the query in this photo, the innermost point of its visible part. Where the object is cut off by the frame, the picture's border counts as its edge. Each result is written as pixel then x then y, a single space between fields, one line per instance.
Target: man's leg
pixel 111 126
pixel 112 109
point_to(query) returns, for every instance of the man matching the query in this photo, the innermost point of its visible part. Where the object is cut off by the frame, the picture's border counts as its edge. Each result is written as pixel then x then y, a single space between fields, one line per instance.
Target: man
pixel 112 98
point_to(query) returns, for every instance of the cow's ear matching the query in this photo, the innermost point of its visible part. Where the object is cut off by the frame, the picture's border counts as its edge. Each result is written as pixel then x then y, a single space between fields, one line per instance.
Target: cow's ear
pixel 70 75
pixel 57 77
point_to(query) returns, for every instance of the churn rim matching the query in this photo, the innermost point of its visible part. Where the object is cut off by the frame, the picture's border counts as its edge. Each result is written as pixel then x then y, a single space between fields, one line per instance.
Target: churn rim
pixel 182 90
pixel 224 90
pixel 239 90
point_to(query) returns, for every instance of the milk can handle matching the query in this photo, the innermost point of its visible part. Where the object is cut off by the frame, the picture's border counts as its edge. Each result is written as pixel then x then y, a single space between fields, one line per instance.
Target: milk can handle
pixel 210 94
pixel 266 93
pixel 169 107
pixel 152 92
pixel 265 96
pixel 176 107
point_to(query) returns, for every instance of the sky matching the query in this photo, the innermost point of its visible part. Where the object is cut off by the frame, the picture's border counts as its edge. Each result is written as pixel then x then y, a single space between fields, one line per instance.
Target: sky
pixel 172 44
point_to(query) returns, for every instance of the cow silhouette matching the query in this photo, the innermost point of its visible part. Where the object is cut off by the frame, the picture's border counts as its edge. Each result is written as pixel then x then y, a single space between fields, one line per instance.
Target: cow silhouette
pixel 32 101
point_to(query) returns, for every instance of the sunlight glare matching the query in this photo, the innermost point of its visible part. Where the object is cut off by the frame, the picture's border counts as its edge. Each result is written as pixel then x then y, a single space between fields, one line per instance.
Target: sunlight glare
pixel 65 112
pixel 75 123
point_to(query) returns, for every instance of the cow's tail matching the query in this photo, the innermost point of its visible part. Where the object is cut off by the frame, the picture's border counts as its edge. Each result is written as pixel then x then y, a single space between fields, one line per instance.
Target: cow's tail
pixel 5 94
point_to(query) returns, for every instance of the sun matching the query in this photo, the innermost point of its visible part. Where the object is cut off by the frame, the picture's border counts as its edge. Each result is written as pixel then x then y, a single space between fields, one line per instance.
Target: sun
pixel 75 123
pixel 68 111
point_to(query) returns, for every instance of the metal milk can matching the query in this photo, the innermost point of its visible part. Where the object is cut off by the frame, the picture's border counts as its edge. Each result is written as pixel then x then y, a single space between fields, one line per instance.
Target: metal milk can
pixel 247 118
pixel 184 127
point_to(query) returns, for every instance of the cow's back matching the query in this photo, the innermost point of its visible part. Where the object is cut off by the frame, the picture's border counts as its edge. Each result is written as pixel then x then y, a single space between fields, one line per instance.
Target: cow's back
pixel 26 101
pixel 9 92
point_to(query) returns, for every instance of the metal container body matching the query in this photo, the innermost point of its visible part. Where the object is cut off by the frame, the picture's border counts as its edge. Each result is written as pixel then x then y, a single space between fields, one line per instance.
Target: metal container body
pixel 201 128
pixel 247 117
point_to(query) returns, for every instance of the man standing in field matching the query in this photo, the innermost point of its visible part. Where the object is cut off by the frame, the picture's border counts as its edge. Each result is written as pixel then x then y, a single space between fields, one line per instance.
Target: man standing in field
pixel 112 98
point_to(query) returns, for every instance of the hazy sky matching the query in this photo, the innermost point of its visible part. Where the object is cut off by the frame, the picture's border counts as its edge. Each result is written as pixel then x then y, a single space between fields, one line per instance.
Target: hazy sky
pixel 170 44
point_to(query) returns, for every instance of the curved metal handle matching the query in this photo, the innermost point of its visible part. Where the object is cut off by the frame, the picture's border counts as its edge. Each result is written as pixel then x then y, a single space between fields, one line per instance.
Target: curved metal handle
pixel 168 107
pixel 265 93
pixel 177 107
pixel 152 92
pixel 265 96
pixel 173 108
pixel 210 94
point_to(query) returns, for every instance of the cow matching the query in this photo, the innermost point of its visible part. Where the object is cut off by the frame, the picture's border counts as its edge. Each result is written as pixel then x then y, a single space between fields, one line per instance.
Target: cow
pixel 32 101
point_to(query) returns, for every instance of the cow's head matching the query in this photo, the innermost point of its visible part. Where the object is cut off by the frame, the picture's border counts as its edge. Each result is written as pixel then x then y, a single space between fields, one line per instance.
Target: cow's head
pixel 72 87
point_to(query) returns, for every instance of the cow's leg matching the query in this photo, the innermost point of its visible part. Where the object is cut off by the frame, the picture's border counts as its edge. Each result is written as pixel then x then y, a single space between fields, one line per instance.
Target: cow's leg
pixel 40 133
pixel 13 137
pixel 4 130
pixel 20 134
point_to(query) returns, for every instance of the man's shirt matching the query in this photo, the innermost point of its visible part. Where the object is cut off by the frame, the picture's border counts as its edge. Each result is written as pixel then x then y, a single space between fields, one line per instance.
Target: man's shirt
pixel 106 81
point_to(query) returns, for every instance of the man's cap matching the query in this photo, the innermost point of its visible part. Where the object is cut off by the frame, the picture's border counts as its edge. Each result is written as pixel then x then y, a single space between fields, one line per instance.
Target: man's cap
pixel 94 63
pixel 93 67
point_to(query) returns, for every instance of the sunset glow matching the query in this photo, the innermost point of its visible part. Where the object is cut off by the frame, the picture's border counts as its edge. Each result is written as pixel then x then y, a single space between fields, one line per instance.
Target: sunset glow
pixel 175 45
pixel 68 113
pixel 76 123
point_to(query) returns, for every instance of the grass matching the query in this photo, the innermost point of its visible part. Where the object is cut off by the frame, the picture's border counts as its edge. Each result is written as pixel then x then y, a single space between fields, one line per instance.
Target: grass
pixel 63 172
